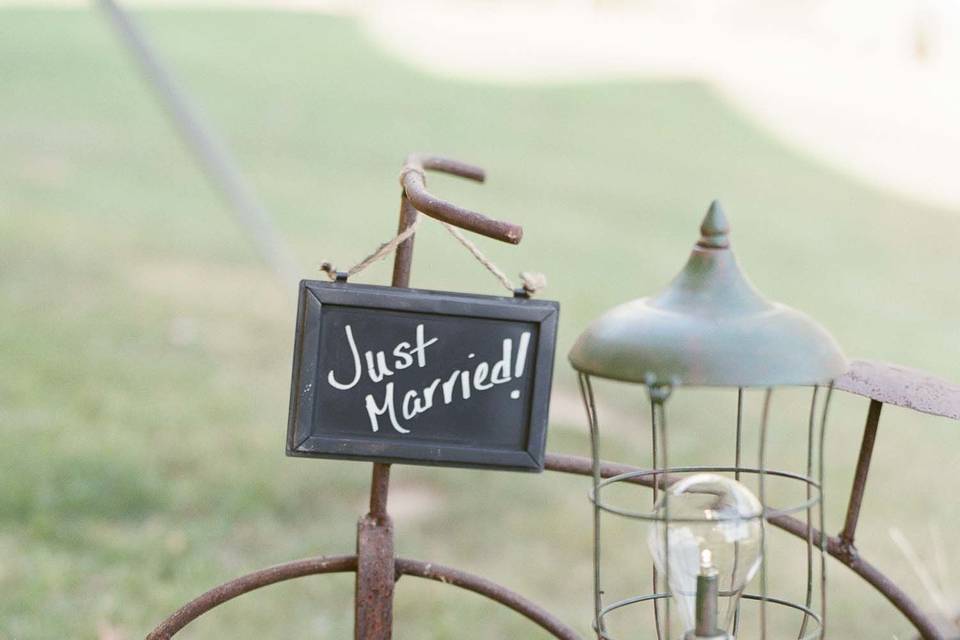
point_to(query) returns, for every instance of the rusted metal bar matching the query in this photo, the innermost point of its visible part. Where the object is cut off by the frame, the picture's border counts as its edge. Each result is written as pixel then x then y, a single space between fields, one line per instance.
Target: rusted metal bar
pixel 373 596
pixel 580 465
pixel 374 585
pixel 443 164
pixel 897 597
pixel 492 590
pixel 403 259
pixel 379 488
pixel 244 584
pixel 340 564
pixel 860 476
pixel 901 387
pixel 412 178
pixel 373 592
pixel 373 603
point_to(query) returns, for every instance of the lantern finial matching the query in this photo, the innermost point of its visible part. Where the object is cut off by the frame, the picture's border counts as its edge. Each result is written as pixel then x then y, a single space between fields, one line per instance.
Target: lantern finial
pixel 714 228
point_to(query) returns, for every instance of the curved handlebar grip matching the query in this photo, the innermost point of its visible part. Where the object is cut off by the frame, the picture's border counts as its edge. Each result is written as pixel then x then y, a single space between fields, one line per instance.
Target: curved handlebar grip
pixel 412 178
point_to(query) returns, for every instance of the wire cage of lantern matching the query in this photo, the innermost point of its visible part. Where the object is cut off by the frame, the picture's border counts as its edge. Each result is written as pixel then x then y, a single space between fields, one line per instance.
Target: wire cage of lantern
pixel 809 612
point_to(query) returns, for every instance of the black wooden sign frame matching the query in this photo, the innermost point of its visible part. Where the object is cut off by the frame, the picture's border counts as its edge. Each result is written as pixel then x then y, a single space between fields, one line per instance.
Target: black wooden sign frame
pixel 310 433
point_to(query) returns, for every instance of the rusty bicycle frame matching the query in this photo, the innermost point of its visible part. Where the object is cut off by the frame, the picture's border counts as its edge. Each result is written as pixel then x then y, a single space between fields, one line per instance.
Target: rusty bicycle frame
pixel 377 568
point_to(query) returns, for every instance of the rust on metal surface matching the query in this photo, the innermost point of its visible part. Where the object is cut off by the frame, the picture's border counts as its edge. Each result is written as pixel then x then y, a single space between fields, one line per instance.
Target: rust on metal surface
pixel 555 462
pixel 379 489
pixel 492 590
pixel 413 180
pixel 581 465
pixel 901 387
pixel 373 598
pixel 403 259
pixel 341 564
pixel 244 584
pixel 858 490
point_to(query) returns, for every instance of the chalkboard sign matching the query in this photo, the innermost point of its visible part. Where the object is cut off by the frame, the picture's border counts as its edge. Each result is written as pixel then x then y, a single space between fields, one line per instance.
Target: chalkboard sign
pixel 421 377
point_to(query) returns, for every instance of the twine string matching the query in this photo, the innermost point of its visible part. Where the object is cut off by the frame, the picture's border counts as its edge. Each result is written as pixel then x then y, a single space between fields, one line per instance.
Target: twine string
pixel 380 253
pixel 531 281
pixel 481 258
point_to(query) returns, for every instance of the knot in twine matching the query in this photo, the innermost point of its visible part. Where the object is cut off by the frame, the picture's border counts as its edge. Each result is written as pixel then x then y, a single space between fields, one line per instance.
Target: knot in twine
pixel 533 281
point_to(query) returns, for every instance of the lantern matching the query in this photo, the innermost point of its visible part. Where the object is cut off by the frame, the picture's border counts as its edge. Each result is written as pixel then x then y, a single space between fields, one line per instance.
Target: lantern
pixel 708 525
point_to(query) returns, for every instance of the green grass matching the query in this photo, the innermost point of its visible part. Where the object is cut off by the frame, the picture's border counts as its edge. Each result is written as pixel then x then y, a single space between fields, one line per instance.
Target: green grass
pixel 145 351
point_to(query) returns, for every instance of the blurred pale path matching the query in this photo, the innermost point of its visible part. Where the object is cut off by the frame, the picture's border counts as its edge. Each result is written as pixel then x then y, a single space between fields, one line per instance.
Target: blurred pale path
pixel 871 87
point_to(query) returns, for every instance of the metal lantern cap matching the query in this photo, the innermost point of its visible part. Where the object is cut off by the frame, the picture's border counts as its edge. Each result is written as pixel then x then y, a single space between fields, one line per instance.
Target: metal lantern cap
pixel 709 327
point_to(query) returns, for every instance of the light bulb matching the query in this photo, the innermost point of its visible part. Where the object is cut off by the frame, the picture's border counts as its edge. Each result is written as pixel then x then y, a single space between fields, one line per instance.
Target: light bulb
pixel 713 542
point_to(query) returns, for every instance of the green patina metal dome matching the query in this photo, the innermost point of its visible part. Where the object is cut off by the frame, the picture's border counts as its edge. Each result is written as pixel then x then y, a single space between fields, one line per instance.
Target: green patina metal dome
pixel 709 327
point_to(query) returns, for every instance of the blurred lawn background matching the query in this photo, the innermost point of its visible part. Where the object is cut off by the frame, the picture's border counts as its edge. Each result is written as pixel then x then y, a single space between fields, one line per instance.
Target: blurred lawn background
pixel 146 350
